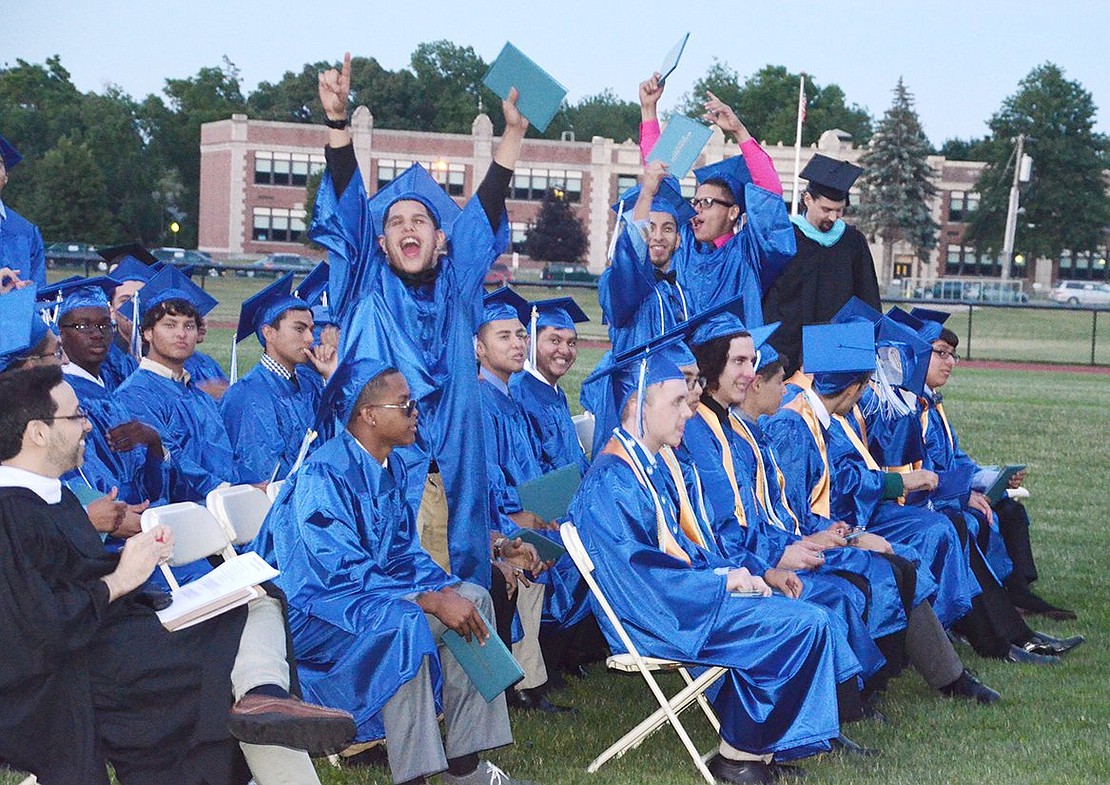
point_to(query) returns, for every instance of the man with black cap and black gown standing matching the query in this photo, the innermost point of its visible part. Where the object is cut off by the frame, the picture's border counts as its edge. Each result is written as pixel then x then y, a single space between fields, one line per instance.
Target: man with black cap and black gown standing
pixel 832 265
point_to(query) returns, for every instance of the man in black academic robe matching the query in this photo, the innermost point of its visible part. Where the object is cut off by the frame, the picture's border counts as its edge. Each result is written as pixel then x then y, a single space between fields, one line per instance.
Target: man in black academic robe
pixel 833 262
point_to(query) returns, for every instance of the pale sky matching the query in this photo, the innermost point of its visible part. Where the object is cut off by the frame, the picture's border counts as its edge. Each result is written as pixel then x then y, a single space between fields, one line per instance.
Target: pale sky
pixel 960 59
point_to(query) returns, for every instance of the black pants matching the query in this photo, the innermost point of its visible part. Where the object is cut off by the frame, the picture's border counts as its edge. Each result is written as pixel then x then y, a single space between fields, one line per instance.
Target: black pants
pixel 993 624
pixel 1013 523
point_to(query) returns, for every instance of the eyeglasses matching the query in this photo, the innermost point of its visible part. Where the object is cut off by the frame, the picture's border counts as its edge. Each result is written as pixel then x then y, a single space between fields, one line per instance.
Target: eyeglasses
pixel 101 327
pixel 57 354
pixel 80 415
pixel 944 354
pixel 408 407
pixel 696 381
pixel 705 202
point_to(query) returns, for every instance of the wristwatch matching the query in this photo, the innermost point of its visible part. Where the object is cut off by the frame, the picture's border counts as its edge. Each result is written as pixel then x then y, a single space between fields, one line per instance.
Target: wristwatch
pixel 338 125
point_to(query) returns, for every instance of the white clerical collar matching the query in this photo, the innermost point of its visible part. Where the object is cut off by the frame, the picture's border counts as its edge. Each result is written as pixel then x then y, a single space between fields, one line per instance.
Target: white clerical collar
pixel 818 407
pixel 491 377
pixel 73 369
pixel 49 489
pixel 164 371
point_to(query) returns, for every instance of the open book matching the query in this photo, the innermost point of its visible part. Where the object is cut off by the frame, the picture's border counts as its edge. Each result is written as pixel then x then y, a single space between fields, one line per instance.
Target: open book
pixel 233 583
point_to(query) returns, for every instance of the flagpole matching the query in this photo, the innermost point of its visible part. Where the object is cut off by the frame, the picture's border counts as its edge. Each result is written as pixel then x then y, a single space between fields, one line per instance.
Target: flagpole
pixel 798 144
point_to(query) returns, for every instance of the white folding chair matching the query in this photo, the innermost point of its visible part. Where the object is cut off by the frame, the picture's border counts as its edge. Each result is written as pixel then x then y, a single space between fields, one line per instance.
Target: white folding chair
pixel 633 662
pixel 273 489
pixel 584 426
pixel 240 509
pixel 196 535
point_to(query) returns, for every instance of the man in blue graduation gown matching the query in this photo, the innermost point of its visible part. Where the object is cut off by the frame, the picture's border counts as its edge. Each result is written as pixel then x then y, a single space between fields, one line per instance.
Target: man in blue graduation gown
pixel 132 266
pixel 552 352
pixel 717 257
pixel 124 457
pixel 779 698
pixel 207 374
pixel 639 292
pixel 270 411
pixel 161 393
pixel 367 605
pixel 21 245
pixel 406 272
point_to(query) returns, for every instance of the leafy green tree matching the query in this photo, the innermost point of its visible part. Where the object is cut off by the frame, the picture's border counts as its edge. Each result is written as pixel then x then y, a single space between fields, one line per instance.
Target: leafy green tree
pixel 963 149
pixel 1066 207
pixel 767 103
pixel 898 182
pixel 603 114
pixel 71 199
pixel 449 87
pixel 174 129
pixel 557 235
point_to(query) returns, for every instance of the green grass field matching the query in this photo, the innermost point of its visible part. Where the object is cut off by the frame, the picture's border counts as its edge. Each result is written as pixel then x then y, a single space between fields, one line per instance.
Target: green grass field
pixel 1053 725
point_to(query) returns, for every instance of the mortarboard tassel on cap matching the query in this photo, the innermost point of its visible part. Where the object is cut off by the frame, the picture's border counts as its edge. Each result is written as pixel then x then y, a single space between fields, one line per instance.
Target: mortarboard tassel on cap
pixel 532 337
pixel 616 232
pixel 136 338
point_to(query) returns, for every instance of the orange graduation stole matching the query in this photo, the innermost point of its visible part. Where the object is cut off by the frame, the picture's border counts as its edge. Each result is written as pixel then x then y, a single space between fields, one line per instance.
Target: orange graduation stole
pixel 819 495
pixel 714 424
pixel 762 490
pixel 667 542
pixel 686 520
pixel 925 404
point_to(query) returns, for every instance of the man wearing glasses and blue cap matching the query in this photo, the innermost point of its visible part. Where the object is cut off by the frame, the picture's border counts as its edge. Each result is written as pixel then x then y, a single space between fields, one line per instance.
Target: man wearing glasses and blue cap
pixel 406 274
pixel 720 257
pixel 21 247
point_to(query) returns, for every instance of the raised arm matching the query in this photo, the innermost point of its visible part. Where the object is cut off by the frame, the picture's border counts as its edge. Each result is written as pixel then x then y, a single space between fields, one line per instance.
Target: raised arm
pixel 759 163
pixel 650 92
pixel 495 185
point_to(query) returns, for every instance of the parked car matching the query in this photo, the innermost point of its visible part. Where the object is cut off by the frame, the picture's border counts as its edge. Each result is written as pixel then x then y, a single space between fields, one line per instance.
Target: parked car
pixel 563 271
pixel 277 263
pixel 72 255
pixel 182 257
pixel 1081 293
pixel 499 274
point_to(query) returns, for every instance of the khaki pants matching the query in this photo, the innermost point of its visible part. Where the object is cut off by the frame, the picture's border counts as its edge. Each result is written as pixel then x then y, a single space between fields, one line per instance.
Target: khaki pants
pixel 526 651
pixel 431 521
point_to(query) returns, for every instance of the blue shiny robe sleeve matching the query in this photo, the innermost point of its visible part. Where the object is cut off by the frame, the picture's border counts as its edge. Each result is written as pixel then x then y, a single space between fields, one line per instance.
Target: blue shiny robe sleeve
pixel 266 419
pixel 117 366
pixel 191 429
pixel 203 368
pixel 345 542
pixel 21 247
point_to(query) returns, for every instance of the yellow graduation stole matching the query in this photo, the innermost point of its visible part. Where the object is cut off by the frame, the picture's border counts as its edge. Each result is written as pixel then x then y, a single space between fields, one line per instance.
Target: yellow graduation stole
pixel 861 448
pixel 686 520
pixel 800 379
pixel 714 424
pixel 925 404
pixel 819 495
pixel 761 489
pixel 667 542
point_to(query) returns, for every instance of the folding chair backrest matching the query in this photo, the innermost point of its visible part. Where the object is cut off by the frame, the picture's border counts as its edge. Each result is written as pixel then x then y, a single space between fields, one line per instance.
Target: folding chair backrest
pixel 241 509
pixel 573 543
pixel 274 488
pixel 196 534
pixel 584 425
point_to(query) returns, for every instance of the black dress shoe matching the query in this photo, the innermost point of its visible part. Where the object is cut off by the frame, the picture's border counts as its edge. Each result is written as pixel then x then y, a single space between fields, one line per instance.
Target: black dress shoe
pixel 1046 644
pixel 1021 656
pixel 742 772
pixel 842 745
pixel 534 700
pixel 967 686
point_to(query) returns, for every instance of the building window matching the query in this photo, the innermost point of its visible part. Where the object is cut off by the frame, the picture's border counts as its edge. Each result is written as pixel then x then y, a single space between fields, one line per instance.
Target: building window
pixel 962 260
pixel 624 182
pixel 277 225
pixel 531 184
pixel 518 233
pixel 292 169
pixel 961 204
pixel 451 177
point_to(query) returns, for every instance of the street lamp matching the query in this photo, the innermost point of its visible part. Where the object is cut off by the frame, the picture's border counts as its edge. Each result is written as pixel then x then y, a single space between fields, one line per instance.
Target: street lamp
pixel 175 227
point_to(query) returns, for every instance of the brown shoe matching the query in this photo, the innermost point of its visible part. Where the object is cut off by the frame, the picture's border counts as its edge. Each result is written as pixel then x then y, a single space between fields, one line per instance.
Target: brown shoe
pixel 290 722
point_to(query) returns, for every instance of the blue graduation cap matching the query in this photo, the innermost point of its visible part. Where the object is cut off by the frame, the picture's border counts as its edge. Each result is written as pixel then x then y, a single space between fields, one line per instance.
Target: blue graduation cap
pixel 169 284
pixel 346 385
pixel 314 288
pixel 856 309
pixel 667 199
pixel 9 154
pixel 21 328
pixel 837 354
pixel 541 95
pixel 562 313
pixel 932 322
pixel 261 308
pixel 733 171
pixel 417 185
pixel 504 303
pixel 95 292
pixel 767 355
pixel 903 357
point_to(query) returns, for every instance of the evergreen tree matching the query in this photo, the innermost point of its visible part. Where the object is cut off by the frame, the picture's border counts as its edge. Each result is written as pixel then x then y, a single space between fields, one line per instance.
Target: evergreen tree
pixel 557 235
pixel 897 183
pixel 1065 205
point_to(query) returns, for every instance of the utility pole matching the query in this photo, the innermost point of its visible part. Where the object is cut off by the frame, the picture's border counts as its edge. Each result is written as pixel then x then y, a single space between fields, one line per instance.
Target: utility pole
pixel 1012 211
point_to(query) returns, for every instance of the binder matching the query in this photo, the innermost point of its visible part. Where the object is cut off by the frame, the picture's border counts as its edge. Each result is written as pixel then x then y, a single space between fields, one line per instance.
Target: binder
pixel 550 495
pixel 491 667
